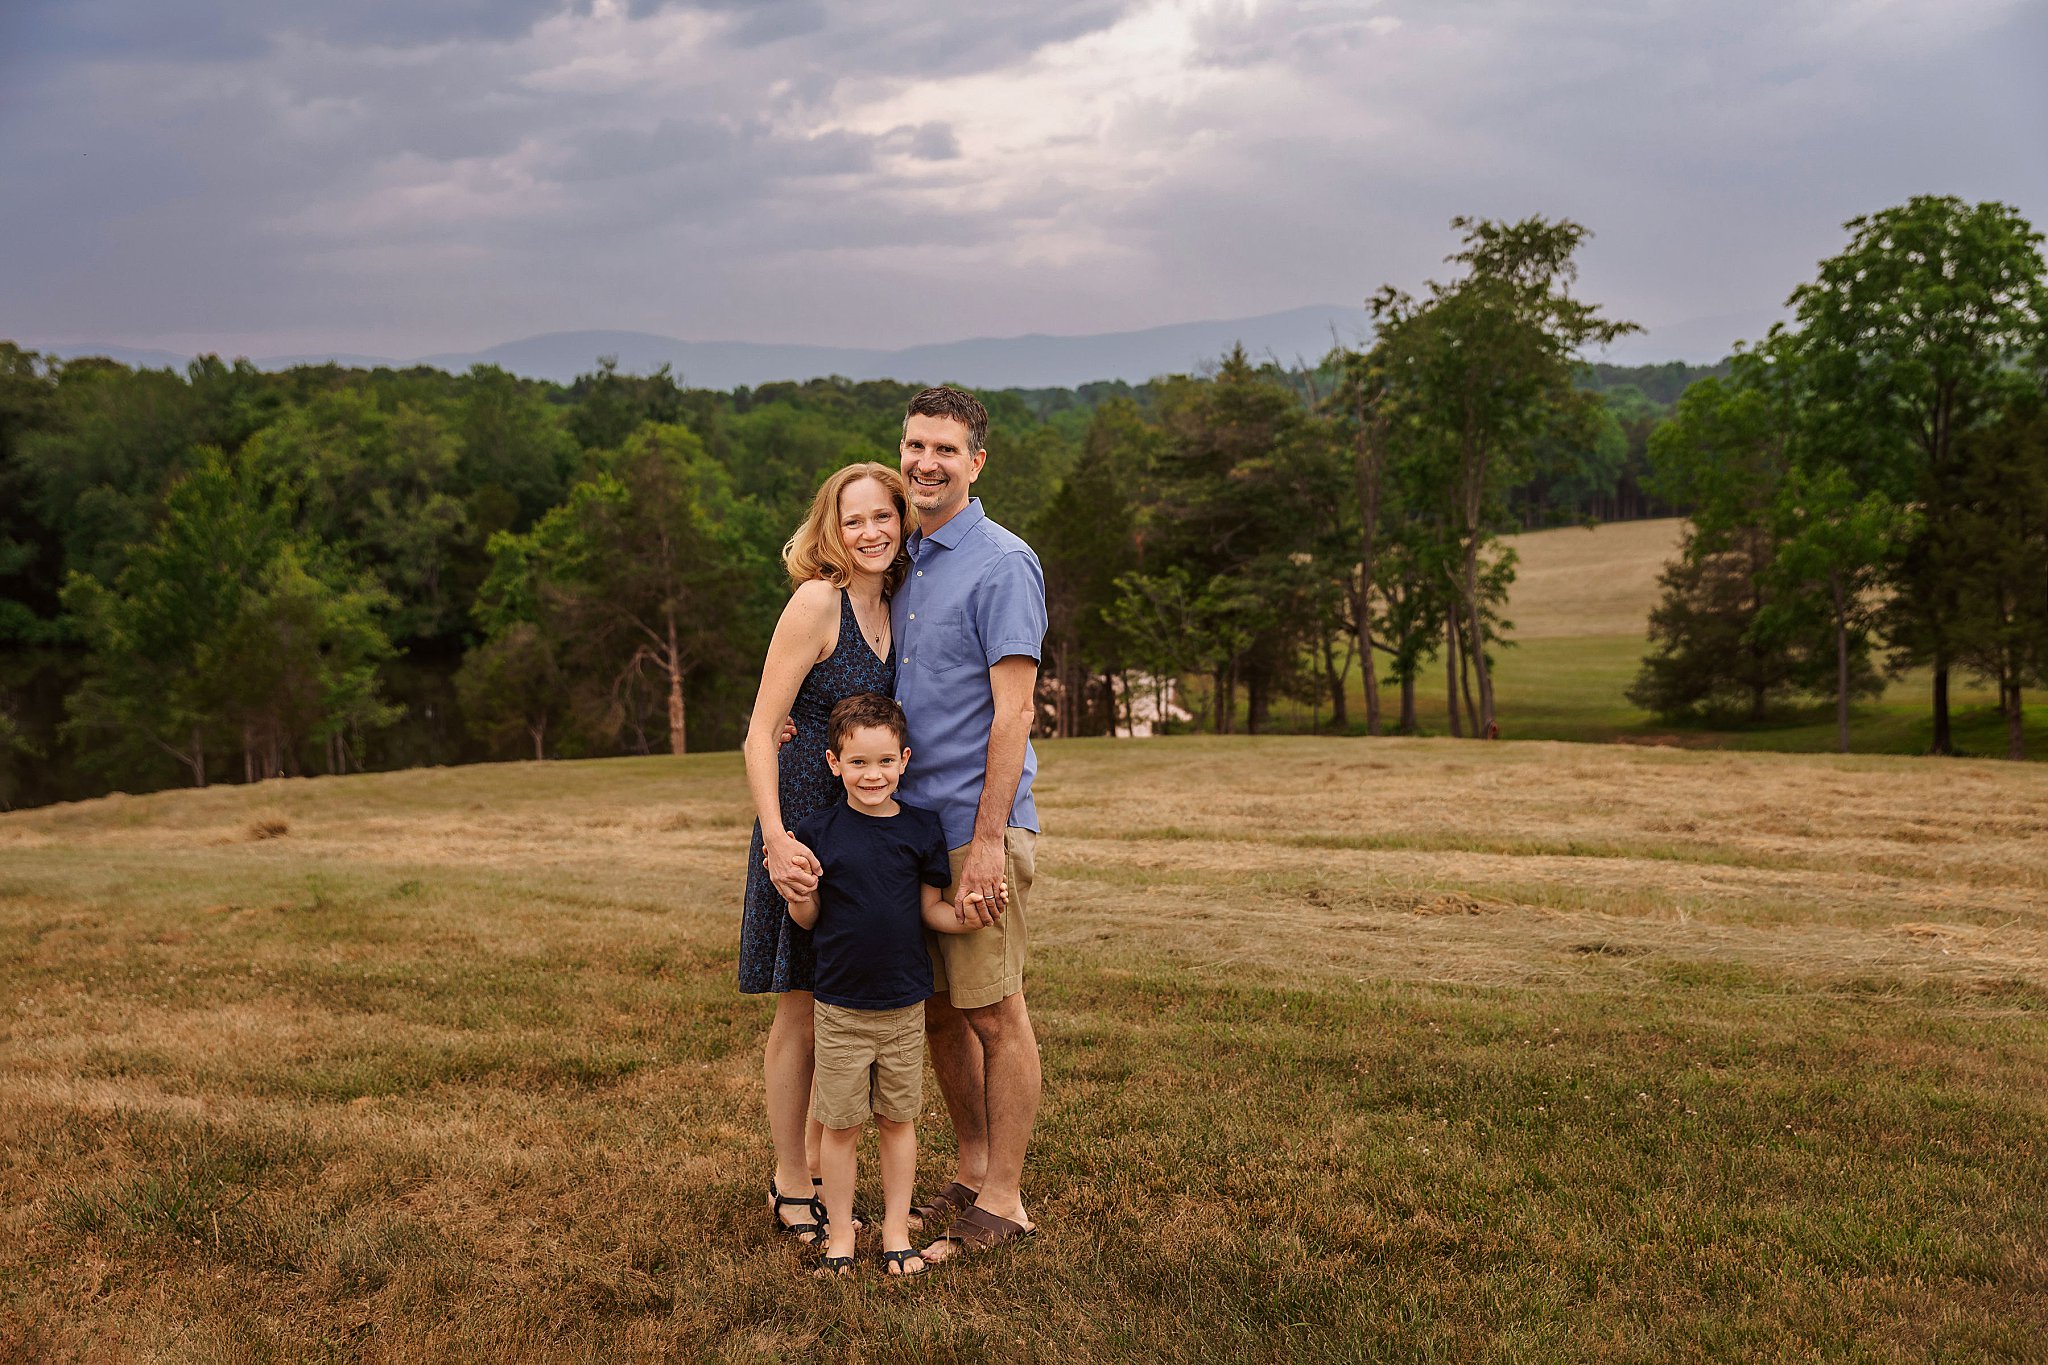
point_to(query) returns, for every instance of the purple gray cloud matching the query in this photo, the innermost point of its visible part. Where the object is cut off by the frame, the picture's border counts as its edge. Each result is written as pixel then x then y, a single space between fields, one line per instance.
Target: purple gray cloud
pixel 402 178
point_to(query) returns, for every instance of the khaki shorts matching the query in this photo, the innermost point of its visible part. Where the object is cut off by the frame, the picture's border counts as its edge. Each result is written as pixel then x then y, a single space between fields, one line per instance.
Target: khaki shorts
pixel 869 1061
pixel 972 970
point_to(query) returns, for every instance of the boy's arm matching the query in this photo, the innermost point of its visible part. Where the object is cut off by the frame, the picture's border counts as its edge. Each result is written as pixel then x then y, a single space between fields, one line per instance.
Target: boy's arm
pixel 946 918
pixel 941 915
pixel 805 911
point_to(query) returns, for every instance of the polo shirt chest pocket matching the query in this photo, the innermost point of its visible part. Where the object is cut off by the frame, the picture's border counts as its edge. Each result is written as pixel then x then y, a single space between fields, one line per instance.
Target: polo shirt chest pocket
pixel 946 644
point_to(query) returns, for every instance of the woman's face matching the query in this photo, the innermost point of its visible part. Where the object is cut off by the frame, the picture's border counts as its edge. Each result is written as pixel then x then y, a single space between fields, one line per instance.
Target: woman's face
pixel 869 525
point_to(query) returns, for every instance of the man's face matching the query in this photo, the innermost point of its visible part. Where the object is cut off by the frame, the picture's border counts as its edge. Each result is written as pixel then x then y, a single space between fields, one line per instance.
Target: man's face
pixel 938 465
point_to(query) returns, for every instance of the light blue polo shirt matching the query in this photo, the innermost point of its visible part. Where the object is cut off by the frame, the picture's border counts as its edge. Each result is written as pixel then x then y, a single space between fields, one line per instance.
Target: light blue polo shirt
pixel 974 595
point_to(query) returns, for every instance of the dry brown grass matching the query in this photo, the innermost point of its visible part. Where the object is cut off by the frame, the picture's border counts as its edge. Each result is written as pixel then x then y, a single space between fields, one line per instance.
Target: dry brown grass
pixel 1577 581
pixel 1798 865
pixel 1393 1043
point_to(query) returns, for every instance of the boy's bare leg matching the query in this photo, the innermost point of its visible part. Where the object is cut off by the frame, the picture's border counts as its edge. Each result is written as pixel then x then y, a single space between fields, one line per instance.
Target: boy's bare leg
pixel 898 1143
pixel 787 1070
pixel 957 1062
pixel 1008 1054
pixel 836 1154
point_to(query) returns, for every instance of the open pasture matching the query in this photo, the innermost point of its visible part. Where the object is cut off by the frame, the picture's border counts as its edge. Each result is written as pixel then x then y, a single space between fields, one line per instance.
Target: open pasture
pixel 1355 1049
pixel 1581 606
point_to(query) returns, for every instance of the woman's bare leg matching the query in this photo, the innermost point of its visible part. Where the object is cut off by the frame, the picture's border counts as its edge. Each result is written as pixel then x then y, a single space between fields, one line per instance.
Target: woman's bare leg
pixel 787 1070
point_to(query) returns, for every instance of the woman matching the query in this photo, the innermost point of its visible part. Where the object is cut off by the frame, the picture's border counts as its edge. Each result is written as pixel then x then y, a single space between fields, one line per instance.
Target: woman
pixel 832 641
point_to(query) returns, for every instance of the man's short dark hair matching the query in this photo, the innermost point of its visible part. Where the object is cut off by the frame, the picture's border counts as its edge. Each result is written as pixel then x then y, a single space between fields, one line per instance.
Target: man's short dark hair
pixel 865 710
pixel 962 407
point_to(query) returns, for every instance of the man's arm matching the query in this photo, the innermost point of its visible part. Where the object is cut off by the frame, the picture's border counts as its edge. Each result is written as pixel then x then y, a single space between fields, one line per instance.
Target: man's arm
pixel 1013 680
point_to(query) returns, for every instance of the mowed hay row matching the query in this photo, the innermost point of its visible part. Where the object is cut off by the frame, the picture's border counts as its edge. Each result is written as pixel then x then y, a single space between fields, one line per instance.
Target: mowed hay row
pixel 1354 1049
pixel 1413 859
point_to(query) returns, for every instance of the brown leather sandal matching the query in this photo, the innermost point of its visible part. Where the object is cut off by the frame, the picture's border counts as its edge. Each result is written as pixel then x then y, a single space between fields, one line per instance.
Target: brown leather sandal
pixel 942 1208
pixel 977 1230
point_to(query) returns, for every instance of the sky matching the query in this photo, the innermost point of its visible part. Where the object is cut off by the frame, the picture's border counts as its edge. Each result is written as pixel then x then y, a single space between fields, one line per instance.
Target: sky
pixel 400 177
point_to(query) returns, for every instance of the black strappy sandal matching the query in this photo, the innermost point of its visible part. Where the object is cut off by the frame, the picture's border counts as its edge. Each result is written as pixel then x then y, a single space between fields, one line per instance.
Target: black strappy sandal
pixel 811 1233
pixel 833 1268
pixel 901 1272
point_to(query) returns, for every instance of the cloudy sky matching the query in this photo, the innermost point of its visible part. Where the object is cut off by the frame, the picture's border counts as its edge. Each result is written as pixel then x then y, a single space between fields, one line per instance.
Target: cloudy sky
pixel 406 176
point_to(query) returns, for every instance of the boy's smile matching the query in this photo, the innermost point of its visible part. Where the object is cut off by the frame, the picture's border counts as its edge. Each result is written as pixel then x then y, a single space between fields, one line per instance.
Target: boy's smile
pixel 870 764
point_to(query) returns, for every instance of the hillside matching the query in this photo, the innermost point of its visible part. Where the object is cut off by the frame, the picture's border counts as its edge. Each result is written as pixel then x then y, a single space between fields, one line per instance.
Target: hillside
pixel 1590 581
pixel 1395 1049
pixel 1581 606
pixel 1035 361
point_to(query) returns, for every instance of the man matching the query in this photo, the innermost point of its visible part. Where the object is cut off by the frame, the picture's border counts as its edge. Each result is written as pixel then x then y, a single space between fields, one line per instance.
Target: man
pixel 968 623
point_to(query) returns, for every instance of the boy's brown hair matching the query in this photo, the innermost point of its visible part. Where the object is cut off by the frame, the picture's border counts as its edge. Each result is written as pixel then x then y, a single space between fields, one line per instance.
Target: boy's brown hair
pixel 861 711
pixel 961 406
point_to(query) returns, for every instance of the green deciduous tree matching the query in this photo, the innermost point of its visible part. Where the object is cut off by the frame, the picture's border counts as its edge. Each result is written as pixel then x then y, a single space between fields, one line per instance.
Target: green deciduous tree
pixel 1922 329
pixel 1166 625
pixel 1831 553
pixel 220 630
pixel 296 665
pixel 1486 364
pixel 516 456
pixel 512 688
pixel 645 575
pixel 2000 534
pixel 380 487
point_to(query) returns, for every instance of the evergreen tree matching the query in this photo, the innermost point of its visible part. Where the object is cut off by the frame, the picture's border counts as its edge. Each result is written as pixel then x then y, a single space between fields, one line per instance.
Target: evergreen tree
pixel 1086 539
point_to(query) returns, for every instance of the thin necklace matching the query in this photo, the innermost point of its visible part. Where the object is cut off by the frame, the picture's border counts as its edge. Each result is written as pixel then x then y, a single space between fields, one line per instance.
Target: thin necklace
pixel 874 636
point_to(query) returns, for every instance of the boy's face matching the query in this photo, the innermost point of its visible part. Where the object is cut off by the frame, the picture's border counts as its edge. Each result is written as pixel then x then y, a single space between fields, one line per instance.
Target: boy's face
pixel 870 763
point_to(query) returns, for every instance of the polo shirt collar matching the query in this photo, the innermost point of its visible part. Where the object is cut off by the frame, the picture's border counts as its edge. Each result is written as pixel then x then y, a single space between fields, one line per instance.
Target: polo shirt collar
pixel 953 532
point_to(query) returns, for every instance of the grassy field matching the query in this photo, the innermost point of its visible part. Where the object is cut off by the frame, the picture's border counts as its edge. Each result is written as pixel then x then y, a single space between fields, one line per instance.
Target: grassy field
pixel 1581 610
pixel 1355 1050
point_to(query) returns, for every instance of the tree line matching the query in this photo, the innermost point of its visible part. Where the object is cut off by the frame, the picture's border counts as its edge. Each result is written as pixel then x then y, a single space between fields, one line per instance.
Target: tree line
pixel 1866 491
pixel 227 574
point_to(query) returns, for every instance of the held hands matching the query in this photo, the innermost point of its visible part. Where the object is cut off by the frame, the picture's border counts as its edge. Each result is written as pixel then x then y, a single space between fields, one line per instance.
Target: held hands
pixel 984 894
pixel 791 866
pixel 972 903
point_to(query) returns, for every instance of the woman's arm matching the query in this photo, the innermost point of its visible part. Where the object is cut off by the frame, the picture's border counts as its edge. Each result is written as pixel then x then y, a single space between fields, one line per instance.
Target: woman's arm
pixel 806 634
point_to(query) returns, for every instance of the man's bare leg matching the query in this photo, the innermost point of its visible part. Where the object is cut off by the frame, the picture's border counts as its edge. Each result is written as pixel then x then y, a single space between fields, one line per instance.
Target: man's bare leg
pixel 1011 1083
pixel 957 1062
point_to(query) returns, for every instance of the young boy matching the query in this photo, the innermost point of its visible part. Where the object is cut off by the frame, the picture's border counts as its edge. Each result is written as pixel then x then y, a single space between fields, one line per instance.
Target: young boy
pixel 884 873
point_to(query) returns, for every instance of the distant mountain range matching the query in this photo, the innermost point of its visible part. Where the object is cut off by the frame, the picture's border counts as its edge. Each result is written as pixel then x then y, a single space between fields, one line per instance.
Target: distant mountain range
pixel 1026 362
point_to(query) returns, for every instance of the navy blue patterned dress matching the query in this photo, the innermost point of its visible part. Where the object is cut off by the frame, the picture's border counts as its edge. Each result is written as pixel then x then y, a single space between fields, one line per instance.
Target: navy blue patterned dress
pixel 775 955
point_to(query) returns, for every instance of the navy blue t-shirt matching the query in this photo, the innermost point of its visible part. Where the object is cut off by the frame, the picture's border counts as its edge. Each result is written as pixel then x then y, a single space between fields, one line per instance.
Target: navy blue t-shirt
pixel 870 934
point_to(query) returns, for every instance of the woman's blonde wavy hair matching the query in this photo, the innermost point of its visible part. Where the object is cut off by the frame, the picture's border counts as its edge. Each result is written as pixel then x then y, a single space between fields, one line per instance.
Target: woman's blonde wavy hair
pixel 817 551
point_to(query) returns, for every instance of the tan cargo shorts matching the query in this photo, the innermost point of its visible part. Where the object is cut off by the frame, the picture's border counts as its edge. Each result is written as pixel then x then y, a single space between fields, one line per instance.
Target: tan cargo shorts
pixel 972 970
pixel 869 1061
